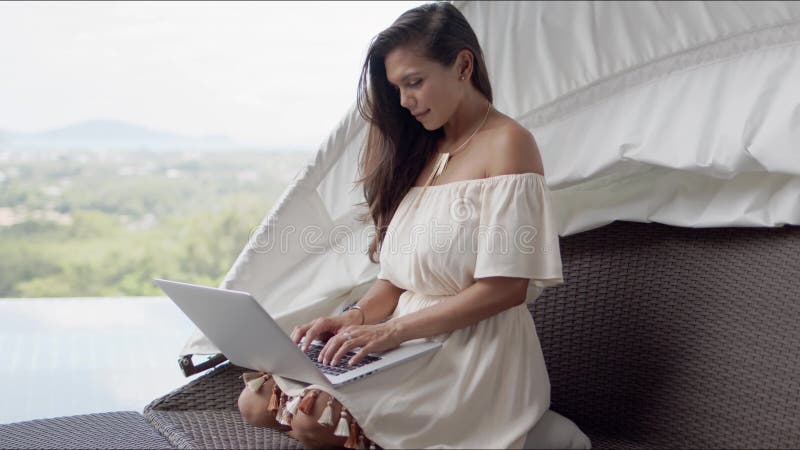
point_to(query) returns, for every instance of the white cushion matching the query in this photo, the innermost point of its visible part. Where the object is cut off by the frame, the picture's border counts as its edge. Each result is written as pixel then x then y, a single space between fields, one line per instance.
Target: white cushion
pixel 556 431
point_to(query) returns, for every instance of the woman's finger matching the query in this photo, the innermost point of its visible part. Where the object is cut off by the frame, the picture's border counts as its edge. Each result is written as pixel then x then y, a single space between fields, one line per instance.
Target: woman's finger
pixel 336 344
pixel 326 348
pixel 361 354
pixel 312 333
pixel 345 347
pixel 299 331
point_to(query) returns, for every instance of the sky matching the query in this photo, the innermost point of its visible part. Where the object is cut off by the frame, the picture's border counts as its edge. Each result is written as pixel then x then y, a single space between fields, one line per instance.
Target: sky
pixel 273 74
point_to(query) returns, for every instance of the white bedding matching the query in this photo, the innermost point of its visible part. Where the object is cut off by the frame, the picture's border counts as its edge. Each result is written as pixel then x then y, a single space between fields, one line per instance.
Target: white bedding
pixel 686 114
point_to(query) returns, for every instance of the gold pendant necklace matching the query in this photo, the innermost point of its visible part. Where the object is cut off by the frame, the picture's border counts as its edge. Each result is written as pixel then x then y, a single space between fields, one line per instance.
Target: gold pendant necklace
pixel 445 157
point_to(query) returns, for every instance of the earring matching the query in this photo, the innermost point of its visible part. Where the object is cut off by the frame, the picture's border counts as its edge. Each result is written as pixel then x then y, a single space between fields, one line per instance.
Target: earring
pixel 462 77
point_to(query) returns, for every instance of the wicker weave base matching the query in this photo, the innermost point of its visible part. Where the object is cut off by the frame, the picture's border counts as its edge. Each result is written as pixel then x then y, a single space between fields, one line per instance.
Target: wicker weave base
pixel 124 430
pixel 204 414
pixel 677 337
pixel 217 429
pixel 661 337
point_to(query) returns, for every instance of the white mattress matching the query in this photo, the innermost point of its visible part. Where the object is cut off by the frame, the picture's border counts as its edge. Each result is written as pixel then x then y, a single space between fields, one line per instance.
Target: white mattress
pixel 683 113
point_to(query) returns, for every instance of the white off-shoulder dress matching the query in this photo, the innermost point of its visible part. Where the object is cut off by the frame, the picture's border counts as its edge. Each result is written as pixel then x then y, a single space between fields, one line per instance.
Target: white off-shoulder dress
pixel 487 386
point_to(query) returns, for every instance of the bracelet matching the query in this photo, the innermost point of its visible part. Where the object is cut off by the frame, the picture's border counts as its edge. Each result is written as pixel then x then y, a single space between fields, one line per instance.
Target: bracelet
pixel 363 316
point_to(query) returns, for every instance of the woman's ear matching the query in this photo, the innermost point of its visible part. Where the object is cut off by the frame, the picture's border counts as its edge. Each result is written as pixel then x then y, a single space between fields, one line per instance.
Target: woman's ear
pixel 465 64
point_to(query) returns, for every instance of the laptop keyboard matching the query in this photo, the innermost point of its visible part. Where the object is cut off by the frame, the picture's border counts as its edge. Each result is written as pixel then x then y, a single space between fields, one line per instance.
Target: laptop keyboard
pixel 313 352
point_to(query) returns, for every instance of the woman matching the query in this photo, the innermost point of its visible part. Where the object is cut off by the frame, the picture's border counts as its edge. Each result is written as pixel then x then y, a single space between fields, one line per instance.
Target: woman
pixel 437 155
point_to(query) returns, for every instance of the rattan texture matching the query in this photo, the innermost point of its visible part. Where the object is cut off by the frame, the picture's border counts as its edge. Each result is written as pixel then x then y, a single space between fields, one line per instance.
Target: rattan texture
pixel 204 414
pixel 677 337
pixel 124 430
pixel 661 337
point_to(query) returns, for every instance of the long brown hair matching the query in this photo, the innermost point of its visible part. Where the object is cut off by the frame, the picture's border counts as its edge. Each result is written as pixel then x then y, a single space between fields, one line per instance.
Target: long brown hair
pixel 397 145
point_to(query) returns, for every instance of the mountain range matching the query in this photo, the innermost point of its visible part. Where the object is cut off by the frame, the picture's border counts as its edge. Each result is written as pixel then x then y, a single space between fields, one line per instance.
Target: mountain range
pixel 112 135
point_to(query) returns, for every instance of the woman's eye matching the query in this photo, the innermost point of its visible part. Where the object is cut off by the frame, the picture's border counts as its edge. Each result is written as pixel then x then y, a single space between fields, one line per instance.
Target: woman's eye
pixel 415 83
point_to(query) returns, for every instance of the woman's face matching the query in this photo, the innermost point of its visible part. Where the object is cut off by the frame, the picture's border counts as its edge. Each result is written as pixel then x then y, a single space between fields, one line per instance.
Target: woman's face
pixel 428 90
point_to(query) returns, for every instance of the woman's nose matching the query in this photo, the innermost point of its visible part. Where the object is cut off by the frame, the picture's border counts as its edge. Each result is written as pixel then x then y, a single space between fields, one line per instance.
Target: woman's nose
pixel 405 101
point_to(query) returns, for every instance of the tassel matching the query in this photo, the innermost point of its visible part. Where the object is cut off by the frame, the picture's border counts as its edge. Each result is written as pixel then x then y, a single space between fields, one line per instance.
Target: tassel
pixel 256 383
pixel 352 438
pixel 307 404
pixel 292 405
pixel 290 410
pixel 341 428
pixel 273 401
pixel 247 376
pixel 326 419
pixel 362 445
pixel 281 416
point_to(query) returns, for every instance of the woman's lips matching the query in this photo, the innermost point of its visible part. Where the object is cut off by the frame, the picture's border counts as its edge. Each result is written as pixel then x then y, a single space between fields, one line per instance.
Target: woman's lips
pixel 422 115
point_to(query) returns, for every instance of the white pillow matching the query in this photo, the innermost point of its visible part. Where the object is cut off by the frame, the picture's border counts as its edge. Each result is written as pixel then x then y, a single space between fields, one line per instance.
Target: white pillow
pixel 556 431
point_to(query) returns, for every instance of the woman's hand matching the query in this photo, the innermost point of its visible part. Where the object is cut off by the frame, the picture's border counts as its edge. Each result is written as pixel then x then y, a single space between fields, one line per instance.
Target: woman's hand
pixel 371 338
pixel 323 328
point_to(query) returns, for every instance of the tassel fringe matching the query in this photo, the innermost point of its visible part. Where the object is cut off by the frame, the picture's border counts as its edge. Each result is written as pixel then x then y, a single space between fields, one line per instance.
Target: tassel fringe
pixel 292 405
pixel 254 380
pixel 352 438
pixel 287 413
pixel 342 429
pixel 281 414
pixel 283 408
pixel 256 383
pixel 326 419
pixel 274 400
pixel 291 409
pixel 309 399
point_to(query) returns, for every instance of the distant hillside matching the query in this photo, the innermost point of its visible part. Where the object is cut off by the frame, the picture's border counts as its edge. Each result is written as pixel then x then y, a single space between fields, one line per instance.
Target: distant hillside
pixel 111 135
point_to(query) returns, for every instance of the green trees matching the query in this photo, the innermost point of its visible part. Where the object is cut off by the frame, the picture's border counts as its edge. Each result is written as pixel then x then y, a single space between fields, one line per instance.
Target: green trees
pixel 123 232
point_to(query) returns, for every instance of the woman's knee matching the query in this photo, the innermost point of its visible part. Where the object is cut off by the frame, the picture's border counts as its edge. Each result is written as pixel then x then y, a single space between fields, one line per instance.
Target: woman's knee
pixel 307 429
pixel 253 406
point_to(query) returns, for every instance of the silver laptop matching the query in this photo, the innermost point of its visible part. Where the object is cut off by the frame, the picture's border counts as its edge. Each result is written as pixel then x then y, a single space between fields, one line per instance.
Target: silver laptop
pixel 249 337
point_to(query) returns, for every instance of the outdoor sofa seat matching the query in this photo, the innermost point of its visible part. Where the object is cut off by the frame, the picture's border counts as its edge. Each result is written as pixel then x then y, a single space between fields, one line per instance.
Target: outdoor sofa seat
pixel 661 336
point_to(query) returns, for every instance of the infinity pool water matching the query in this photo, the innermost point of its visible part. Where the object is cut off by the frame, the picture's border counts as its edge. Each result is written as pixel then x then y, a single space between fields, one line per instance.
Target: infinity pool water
pixel 67 356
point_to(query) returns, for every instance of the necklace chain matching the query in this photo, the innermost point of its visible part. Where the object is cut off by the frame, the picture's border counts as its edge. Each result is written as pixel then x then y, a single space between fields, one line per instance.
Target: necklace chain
pixel 444 157
pixel 474 132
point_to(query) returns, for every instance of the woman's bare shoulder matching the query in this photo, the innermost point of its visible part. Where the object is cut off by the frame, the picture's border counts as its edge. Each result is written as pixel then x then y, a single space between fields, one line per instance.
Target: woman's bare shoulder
pixel 513 149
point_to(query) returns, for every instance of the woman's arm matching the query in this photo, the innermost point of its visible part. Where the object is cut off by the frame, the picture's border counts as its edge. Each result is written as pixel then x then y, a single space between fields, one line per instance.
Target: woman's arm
pixel 514 151
pixel 483 299
pixel 379 301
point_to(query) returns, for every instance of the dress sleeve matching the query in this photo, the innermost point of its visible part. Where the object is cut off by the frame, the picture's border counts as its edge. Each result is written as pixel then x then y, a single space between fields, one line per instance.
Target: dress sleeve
pixel 517 234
